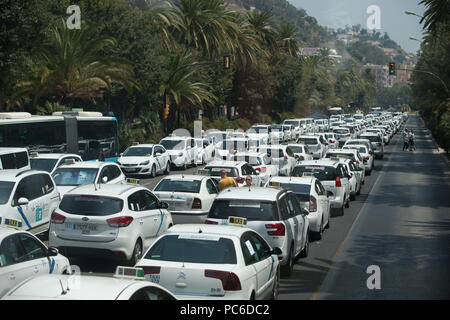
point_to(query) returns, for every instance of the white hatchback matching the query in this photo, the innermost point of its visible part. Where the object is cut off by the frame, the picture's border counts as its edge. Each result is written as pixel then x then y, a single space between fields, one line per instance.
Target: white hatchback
pixel 144 160
pixel 204 262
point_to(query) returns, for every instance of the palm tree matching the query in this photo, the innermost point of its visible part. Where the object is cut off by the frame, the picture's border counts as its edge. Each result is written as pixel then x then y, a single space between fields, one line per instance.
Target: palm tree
pixel 267 36
pixel 437 12
pixel 286 39
pixel 71 66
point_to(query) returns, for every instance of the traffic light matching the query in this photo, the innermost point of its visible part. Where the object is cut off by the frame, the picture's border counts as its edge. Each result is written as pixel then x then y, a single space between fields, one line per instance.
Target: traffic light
pixel 226 62
pixel 392 69
pixel 166 111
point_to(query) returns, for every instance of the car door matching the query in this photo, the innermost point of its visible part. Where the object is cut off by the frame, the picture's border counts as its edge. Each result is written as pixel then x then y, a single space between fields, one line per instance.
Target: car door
pixel 287 211
pixel 322 198
pixel 297 219
pixel 158 157
pixel 36 254
pixel 211 194
pixel 256 248
pixel 14 264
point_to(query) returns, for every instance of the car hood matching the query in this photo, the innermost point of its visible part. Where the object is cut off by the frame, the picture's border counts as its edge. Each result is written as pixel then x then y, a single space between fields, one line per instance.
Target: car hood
pixel 132 160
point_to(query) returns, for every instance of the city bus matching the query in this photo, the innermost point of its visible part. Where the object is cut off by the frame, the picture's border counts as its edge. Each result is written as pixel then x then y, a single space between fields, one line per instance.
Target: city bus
pixel 89 134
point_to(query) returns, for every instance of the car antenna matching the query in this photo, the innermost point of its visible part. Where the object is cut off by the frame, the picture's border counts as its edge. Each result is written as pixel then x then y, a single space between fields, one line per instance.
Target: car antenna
pixel 62 287
pixel 200 230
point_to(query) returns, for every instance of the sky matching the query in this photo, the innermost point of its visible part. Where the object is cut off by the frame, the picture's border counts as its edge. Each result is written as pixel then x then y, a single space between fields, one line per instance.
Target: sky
pixel 393 20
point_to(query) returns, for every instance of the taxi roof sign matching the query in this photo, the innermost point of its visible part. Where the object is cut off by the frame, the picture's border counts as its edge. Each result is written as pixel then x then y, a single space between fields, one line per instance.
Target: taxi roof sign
pixel 204 172
pixel 33 154
pixel 129 273
pixel 69 161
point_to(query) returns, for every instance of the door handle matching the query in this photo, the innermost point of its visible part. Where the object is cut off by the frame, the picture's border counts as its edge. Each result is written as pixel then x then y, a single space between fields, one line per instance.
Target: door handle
pixel 12 276
pixel 141 221
pixel 36 270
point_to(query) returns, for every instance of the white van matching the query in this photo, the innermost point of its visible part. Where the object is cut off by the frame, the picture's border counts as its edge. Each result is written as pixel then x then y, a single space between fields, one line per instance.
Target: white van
pixel 14 158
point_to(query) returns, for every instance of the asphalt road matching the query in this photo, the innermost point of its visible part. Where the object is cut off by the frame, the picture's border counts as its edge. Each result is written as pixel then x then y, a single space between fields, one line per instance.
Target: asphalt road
pixel 403 229
pixel 400 222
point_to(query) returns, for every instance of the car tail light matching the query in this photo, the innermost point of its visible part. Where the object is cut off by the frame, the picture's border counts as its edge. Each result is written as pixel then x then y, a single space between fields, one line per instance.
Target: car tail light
pixel 331 141
pixel 262 169
pixel 301 158
pixel 276 229
pixel 57 218
pixel 151 270
pixel 378 143
pixel 312 204
pixel 197 203
pixel 370 152
pixel 230 281
pixel 120 222
pixel 285 158
pixel 240 180
pixel 338 182
pixel 348 134
pixel 211 222
pixel 357 162
pixel 367 158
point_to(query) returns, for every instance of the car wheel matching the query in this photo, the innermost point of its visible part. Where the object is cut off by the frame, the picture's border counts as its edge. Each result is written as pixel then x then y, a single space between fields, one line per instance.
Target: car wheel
pixel 167 171
pixel 153 172
pixel 203 160
pixel 304 253
pixel 328 223
pixel 276 285
pixel 289 267
pixel 137 253
pixel 318 235
pixel 352 197
pixel 347 204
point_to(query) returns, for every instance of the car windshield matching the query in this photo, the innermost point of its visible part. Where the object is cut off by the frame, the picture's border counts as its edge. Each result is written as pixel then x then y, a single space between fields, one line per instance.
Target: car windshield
pixel 138 152
pixel 233 145
pixel 250 209
pixel 199 143
pixel 296 149
pixel 205 249
pixel 258 130
pixel 173 144
pixel 340 155
pixel 329 136
pixel 74 176
pixel 43 164
pixel 322 173
pixel 308 141
pixel 372 138
pixel 295 187
pixel 175 185
pixel 88 205
pixel 215 171
pixel 5 191
pixel 341 131
pixel 360 149
pixel 277 127
pixel 251 160
pixel 292 122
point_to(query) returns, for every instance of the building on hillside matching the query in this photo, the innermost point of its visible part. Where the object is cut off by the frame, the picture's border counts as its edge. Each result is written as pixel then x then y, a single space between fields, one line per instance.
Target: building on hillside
pixel 403 76
pixel 381 74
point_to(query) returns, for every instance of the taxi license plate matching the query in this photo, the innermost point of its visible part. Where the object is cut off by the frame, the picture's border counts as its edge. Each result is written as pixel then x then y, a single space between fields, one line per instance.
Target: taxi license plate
pixel 86 228
pixel 236 220
pixel 13 223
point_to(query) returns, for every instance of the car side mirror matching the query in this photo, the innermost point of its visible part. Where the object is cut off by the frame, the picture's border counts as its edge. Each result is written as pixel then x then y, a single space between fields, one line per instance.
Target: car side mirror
pixel 305 212
pixel 121 154
pixel 164 205
pixel 23 201
pixel 277 251
pixel 329 194
pixel 52 252
pixel 105 179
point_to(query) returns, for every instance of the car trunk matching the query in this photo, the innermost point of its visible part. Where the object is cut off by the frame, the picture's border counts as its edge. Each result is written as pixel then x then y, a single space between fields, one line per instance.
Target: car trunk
pixel 177 201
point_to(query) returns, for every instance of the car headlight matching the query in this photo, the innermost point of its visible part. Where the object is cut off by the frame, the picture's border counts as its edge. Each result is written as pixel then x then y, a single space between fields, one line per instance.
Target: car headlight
pixel 144 163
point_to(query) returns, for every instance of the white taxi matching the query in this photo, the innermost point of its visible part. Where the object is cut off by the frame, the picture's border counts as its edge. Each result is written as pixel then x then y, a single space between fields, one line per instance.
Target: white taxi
pixel 366 153
pixel 24 256
pixel 334 178
pixel 144 160
pixel 227 148
pixel 301 152
pixel 316 145
pixel 200 262
pixel 206 150
pixel 74 174
pixel 312 196
pixel 274 213
pixel 51 161
pixel 351 154
pixel 238 170
pixel 260 162
pixel 189 196
pixel 119 221
pixel 182 150
pixel 27 199
pixel 282 156
pixel 127 284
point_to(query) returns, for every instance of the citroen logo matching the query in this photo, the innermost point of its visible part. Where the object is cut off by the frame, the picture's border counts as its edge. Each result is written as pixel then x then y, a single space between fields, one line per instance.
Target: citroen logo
pixel 181 275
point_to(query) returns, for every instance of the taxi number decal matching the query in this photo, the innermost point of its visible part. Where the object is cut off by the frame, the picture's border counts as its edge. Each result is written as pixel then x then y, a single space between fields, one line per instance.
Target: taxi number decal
pixel 250 247
pixel 155 278
pixel 39 214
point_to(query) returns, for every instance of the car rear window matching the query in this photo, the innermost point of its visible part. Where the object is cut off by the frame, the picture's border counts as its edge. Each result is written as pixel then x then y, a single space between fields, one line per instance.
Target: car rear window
pixel 193 249
pixel 372 138
pixel 295 187
pixel 308 141
pixel 250 209
pixel 88 205
pixel 190 186
pixel 215 171
pixel 323 173
pixel 340 155
pixel 251 160
pixel 43 164
pixel 341 131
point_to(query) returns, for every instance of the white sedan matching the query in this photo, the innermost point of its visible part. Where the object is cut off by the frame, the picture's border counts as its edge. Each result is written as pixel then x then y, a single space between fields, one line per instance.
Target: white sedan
pixel 189 196
pixel 260 162
pixel 206 151
pixel 198 262
pixel 127 284
pixel 301 152
pixel 312 196
pixel 119 221
pixel 22 256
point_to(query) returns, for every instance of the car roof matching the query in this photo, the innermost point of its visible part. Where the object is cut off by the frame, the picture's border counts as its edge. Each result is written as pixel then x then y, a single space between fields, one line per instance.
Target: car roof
pixel 144 145
pixel 54 155
pixel 225 163
pixel 252 193
pixel 176 138
pixel 342 150
pixel 249 153
pixel 4 150
pixel 184 177
pixel 86 164
pixel 208 229
pixel 323 162
pixel 111 190
pixel 12 174
pixel 88 288
pixel 293 180
pixel 7 231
